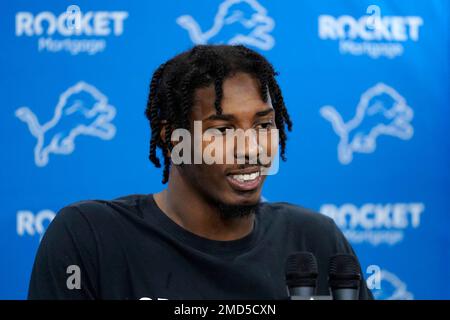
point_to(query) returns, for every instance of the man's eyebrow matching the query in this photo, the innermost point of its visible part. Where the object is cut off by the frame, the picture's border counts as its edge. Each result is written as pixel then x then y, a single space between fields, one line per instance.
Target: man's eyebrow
pixel 224 117
pixel 229 117
pixel 264 112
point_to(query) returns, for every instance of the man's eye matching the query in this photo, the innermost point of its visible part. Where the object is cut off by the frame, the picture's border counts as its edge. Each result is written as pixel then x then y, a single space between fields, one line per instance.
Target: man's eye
pixel 265 125
pixel 223 130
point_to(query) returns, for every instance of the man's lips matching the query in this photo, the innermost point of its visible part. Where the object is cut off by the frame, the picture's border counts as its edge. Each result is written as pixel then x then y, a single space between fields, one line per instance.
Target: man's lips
pixel 247 170
pixel 245 179
pixel 244 185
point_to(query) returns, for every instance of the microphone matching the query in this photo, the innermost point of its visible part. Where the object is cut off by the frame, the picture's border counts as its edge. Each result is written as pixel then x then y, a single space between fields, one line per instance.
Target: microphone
pixel 301 275
pixel 344 277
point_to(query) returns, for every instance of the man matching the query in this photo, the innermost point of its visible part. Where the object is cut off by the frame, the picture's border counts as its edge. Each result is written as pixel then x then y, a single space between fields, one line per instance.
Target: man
pixel 207 235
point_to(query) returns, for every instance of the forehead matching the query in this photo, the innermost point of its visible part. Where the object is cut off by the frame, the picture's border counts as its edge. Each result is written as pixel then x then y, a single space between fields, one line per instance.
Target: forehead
pixel 241 94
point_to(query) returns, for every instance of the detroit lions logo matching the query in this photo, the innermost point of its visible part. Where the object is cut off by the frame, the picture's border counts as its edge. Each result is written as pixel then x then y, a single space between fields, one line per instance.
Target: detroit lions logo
pixel 380 111
pixel 236 22
pixel 81 110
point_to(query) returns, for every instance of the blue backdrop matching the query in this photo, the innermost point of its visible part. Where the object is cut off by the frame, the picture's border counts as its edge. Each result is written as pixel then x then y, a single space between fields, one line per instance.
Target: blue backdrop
pixel 366 83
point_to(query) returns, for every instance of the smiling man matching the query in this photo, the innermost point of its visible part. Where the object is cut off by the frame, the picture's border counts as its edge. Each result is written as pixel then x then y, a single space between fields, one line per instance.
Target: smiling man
pixel 207 235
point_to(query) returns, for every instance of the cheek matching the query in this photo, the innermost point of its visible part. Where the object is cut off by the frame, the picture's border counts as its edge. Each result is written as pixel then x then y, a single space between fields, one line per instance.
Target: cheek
pixel 204 175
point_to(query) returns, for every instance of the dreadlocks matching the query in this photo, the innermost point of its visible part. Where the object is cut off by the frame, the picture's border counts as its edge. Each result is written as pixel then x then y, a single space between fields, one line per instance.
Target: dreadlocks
pixel 173 85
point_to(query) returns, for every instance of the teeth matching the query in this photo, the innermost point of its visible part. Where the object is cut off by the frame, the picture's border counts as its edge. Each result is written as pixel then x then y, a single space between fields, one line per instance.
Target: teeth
pixel 245 177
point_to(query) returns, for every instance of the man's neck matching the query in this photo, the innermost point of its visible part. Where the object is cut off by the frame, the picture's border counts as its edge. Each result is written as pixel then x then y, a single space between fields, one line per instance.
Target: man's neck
pixel 186 207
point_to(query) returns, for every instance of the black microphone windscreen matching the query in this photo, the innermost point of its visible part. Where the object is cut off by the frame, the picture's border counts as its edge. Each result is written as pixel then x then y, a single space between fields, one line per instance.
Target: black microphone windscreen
pixel 343 271
pixel 301 269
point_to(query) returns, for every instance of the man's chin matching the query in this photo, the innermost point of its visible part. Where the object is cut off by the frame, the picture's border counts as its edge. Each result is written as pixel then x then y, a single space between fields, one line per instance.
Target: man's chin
pixel 239 209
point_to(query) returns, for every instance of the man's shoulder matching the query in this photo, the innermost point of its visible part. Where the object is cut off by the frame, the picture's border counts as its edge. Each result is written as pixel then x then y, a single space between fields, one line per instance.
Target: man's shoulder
pixel 86 220
pixel 95 209
pixel 296 215
pixel 307 226
pixel 299 219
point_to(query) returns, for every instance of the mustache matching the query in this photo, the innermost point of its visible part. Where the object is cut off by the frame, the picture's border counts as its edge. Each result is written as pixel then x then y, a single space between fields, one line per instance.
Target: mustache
pixel 258 164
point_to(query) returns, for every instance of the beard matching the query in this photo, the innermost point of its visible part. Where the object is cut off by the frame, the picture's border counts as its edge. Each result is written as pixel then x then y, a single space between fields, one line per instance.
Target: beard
pixel 226 211
pixel 230 211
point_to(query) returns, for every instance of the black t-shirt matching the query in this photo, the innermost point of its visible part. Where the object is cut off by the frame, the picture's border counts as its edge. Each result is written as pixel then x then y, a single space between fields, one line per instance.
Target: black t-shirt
pixel 129 249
